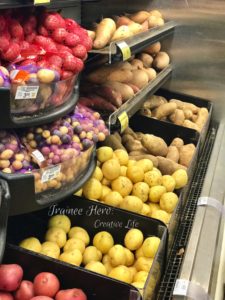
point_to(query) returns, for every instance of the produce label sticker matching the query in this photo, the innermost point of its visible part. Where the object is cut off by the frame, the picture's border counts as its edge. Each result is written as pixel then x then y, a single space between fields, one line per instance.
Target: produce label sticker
pixel 38 156
pixel 181 287
pixel 36 2
pixel 190 289
pixel 125 49
pixel 50 173
pixel 26 92
pixel 124 120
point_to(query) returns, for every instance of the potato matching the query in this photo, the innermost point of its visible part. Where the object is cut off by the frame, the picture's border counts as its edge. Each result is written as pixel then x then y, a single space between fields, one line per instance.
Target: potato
pixel 117 255
pixel 108 267
pixel 73 257
pixel 10 277
pixel 146 210
pixel 141 190
pixel 123 185
pixel 145 164
pixel 24 292
pixel 131 144
pixel 125 90
pixel 161 215
pixel 105 182
pixel 79 233
pixel 132 203
pixel 140 78
pixel 123 20
pixel 146 59
pixel 97 267
pixel 154 102
pixel 153 49
pixel 135 174
pixel 151 73
pixel 69 294
pixel 155 145
pixel 186 154
pixel 177 117
pixel 181 178
pixel 113 198
pixel 164 110
pixel 154 21
pixel 121 33
pixel 133 239
pixel 135 28
pixel 168 202
pixel 177 142
pixel 194 118
pixel 154 206
pixel 98 76
pixel 74 243
pixel 185 105
pixel 173 154
pixel 103 241
pixel 60 221
pixel 153 178
pixel 137 64
pixel 129 257
pixel 187 113
pixel 6 296
pixel 167 166
pixel 111 169
pixel 161 60
pixel 92 189
pixel 156 193
pixel 56 235
pixel 121 273
pixel 156 13
pixel 50 249
pixel 150 246
pixel 105 191
pixel 91 253
pixel 143 264
pixel 140 16
pixel 140 276
pixel 202 117
pixel 169 183
pixel 123 76
pixel 139 253
pixel 191 125
pixel 32 244
pixel 91 34
pixel 104 32
pixel 142 156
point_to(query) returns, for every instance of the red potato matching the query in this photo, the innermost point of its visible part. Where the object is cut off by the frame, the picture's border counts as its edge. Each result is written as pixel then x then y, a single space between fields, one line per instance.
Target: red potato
pixel 46 284
pixel 25 291
pixel 5 296
pixel 41 298
pixel 71 294
pixel 10 277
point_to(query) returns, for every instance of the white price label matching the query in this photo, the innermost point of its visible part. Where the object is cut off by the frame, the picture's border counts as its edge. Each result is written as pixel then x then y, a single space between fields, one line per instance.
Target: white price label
pixel 26 92
pixel 181 287
pixel 38 156
pixel 50 173
pixel 209 201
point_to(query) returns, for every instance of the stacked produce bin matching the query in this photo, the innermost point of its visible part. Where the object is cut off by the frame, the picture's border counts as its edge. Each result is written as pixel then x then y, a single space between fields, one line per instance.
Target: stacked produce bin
pixel 124 147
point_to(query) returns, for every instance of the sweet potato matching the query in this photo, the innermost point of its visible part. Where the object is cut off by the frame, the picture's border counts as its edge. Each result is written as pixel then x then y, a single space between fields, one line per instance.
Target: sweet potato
pixel 134 87
pixel 144 26
pixel 123 20
pixel 177 117
pixel 140 78
pixel 154 21
pixel 167 166
pixel 147 156
pixel 147 59
pixel 173 154
pixel 154 102
pixel 164 110
pixel 186 154
pixel 135 28
pixel 177 142
pixel 161 60
pixel 155 145
pixel 202 117
pixel 189 124
pixel 98 76
pixel 104 32
pixel 151 73
pixel 185 105
pixel 153 49
pixel 120 76
pixel 140 16
pixel 123 89
pixel 121 33
pixel 109 94
pixel 94 101
pixel 188 114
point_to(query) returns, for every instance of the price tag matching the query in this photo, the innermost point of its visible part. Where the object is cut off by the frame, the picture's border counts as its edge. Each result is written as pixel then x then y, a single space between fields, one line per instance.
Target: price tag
pixel 37 2
pixel 209 201
pixel 124 120
pixel 125 49
pixel 26 92
pixel 38 156
pixel 181 287
pixel 190 289
pixel 50 173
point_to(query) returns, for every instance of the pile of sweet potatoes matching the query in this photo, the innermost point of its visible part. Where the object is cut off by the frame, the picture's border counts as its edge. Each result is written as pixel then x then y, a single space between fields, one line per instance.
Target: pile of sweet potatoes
pixel 168 158
pixel 176 111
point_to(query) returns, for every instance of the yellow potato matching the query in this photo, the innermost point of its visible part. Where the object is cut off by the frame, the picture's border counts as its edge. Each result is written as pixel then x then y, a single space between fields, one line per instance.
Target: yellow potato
pixel 161 215
pixel 79 193
pixel 108 267
pixel 92 189
pixel 140 276
pixel 111 169
pixel 146 210
pixel 143 264
pixel 97 174
pixel 105 191
pixel 150 246
pixel 168 202
pixel 104 153
pixel 106 182
pixel 123 171
pixel 103 241
pixel 113 198
pixel 154 207
pixel 79 233
pixel 133 239
pixel 96 266
pixel 56 235
pixel 106 258
pixel 135 174
pixel 121 273
pixel 74 243
pixel 60 221
pixel 139 253
pixel 117 255
pixel 156 193
pixel 181 178
pixel 139 285
pixel 129 257
pixel 32 244
pixel 157 170
pixel 153 178
pixel 133 271
pixel 122 156
pixel 123 185
pixel 91 253
pixel 169 183
pixel 145 164
pixel 141 190
pixel 131 162
pixel 50 249
pixel 132 203
pixel 73 257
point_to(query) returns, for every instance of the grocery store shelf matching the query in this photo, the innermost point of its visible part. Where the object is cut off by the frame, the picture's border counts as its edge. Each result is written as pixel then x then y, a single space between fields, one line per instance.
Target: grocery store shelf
pixel 134 104
pixel 182 260
pixel 116 51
